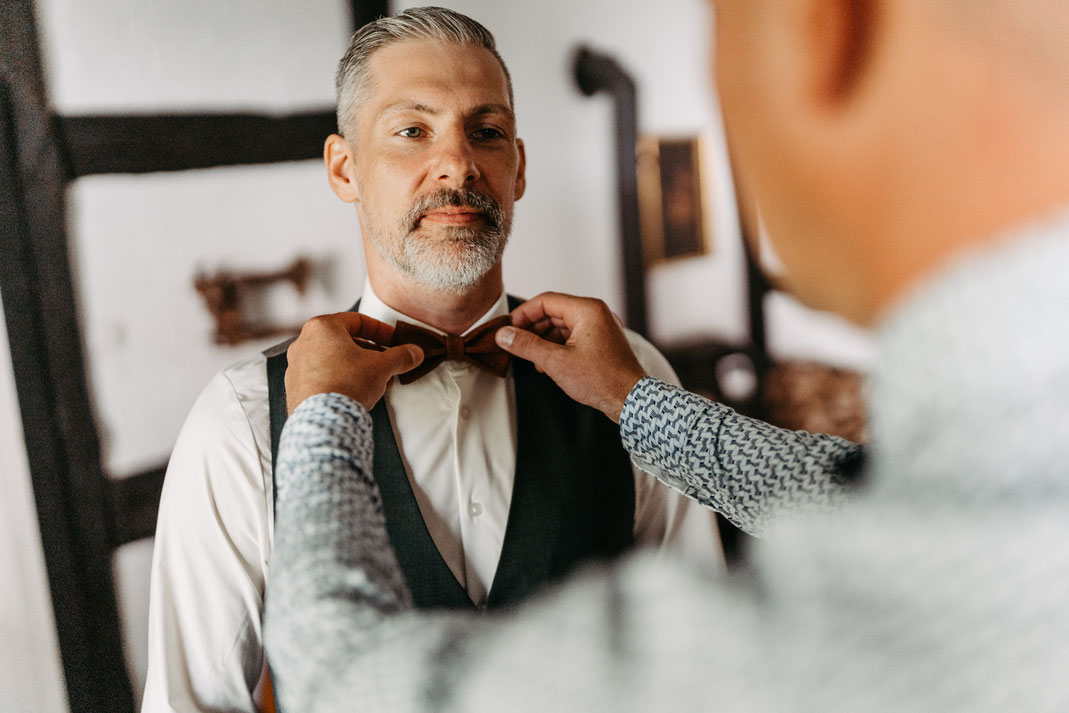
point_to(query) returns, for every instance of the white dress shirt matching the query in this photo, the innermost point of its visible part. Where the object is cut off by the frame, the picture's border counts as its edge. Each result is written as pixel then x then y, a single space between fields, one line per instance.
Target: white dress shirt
pixel 456 432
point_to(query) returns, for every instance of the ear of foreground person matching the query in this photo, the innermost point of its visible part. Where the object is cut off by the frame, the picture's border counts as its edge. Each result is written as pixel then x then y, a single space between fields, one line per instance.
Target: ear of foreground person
pixel 911 162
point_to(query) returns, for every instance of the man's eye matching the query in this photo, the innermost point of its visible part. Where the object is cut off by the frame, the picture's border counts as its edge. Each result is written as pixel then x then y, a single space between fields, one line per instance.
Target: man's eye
pixel 412 132
pixel 487 133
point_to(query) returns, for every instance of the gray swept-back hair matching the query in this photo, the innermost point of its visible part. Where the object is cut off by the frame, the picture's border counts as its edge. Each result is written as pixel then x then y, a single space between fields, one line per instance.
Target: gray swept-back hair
pixel 418 23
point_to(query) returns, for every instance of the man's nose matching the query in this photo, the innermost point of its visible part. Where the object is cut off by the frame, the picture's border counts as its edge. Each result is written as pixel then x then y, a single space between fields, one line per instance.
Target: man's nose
pixel 456 162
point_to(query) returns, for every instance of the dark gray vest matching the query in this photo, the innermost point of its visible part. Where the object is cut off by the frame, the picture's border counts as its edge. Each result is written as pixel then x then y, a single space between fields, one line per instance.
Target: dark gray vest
pixel 573 499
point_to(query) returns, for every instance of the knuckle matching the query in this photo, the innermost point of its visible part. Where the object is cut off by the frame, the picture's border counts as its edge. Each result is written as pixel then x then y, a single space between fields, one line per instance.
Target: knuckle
pixel 316 323
pixel 599 307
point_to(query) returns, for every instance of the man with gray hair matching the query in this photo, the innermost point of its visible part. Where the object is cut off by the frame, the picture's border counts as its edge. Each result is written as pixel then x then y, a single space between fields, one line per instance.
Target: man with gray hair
pixel 493 480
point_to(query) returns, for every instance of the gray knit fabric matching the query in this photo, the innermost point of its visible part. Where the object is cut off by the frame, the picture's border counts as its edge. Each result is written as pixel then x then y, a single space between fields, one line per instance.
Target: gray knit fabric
pixel 941 585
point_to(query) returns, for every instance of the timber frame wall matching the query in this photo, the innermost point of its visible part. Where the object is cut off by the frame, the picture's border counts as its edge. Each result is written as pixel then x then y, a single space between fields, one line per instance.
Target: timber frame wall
pixel 83 514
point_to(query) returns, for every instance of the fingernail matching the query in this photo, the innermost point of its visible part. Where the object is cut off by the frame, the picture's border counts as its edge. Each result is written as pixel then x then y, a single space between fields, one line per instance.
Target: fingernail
pixel 504 336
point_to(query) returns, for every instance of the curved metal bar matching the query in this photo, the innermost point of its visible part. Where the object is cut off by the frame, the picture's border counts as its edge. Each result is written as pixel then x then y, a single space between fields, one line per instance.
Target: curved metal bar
pixel 596 73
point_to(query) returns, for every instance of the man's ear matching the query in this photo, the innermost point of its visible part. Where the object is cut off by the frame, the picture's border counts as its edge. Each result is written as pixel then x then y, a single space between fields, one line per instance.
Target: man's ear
pixel 521 172
pixel 842 34
pixel 341 163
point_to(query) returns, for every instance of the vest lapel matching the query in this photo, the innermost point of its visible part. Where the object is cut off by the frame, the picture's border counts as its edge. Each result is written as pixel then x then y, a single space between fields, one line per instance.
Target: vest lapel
pixel 543 458
pixel 535 525
pixel 428 576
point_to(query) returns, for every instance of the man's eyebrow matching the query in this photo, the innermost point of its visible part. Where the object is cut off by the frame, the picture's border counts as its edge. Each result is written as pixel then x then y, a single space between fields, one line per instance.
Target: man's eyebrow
pixel 410 106
pixel 493 109
pixel 481 110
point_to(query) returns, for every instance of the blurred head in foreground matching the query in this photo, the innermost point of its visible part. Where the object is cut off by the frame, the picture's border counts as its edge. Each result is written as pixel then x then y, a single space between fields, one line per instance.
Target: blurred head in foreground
pixel 880 138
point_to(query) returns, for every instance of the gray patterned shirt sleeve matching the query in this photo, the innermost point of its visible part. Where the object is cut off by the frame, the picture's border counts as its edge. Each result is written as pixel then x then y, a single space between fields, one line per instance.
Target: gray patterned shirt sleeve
pixel 746 469
pixel 335 575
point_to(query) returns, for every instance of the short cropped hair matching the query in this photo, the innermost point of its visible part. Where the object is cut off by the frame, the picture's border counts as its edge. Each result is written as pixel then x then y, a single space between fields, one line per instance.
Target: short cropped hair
pixel 418 23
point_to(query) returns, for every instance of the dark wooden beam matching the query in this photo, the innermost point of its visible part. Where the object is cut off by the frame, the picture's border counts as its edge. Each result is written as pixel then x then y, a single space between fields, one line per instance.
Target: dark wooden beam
pixel 365 11
pixel 600 73
pixel 133 504
pixel 61 442
pixel 175 142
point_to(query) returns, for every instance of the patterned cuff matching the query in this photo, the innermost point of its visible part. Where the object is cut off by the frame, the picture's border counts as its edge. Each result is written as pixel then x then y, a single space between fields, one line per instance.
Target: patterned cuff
pixel 323 426
pixel 656 421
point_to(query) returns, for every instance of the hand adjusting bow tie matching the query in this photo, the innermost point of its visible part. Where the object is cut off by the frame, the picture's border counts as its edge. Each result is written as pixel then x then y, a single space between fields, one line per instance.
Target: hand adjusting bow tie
pixel 477 346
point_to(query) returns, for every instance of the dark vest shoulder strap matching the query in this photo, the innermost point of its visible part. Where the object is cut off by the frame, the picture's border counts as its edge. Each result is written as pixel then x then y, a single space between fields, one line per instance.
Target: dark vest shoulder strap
pixel 276 393
pixel 573 497
pixel 428 576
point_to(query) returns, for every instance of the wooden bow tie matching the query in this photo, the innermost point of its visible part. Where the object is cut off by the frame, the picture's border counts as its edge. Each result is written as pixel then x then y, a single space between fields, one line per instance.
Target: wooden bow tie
pixel 477 347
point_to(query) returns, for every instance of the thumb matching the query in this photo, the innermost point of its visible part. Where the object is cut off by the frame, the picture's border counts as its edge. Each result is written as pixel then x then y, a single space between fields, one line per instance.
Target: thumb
pixel 526 345
pixel 402 358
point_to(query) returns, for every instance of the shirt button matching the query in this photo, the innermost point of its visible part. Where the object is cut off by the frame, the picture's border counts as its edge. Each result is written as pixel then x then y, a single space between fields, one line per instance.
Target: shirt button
pixel 465 412
pixel 475 509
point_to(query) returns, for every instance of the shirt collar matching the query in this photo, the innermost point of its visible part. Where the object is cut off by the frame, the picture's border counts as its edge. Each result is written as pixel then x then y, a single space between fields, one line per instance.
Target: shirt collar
pixel 373 306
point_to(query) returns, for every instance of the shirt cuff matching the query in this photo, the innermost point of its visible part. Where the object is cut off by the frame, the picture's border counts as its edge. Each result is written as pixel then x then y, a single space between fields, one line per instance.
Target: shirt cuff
pixel 328 407
pixel 655 425
pixel 323 423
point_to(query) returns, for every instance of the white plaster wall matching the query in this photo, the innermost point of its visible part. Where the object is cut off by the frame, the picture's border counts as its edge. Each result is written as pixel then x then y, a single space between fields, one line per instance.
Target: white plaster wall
pixel 31 679
pixel 136 244
pixel 129 56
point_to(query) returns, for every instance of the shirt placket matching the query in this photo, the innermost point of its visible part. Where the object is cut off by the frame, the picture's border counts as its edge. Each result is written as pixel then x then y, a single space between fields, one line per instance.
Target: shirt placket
pixel 469 479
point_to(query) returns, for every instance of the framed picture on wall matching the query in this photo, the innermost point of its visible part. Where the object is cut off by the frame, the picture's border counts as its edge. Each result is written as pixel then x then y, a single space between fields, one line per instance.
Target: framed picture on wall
pixel 672 198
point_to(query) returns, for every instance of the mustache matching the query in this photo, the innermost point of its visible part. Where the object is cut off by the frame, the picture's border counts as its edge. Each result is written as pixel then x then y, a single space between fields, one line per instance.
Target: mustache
pixel 486 206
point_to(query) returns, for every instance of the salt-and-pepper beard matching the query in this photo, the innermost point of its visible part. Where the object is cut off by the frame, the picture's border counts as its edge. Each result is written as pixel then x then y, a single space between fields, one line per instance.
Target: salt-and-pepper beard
pixel 456 257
